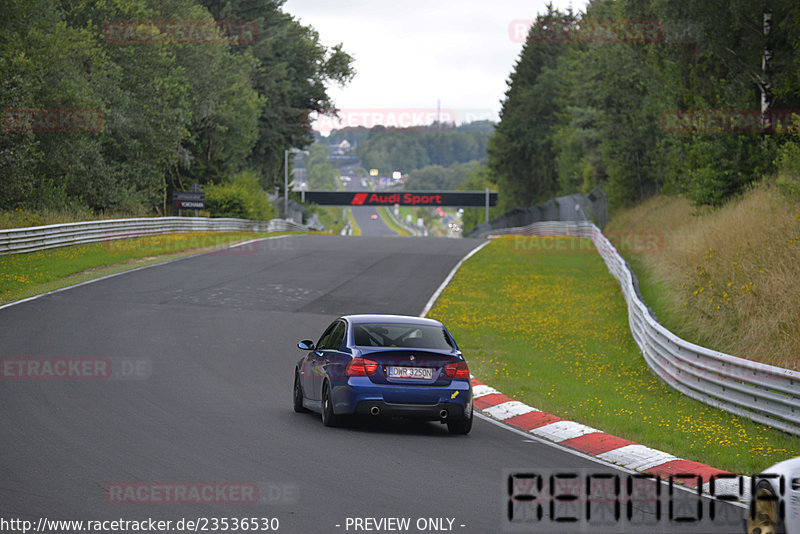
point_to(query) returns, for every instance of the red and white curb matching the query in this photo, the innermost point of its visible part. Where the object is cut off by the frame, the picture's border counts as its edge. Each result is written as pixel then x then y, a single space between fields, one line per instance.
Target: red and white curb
pixel 600 445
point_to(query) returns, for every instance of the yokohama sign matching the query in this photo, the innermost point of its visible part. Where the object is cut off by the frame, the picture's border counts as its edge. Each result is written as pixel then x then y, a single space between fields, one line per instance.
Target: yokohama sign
pixel 404 198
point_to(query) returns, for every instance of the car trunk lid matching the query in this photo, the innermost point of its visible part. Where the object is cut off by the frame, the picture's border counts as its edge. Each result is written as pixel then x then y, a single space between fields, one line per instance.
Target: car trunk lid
pixel 413 367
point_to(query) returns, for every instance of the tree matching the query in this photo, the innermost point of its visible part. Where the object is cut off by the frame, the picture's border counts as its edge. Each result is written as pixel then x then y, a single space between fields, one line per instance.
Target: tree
pixel 169 112
pixel 319 171
pixel 587 108
pixel 47 65
pixel 521 155
pixel 293 70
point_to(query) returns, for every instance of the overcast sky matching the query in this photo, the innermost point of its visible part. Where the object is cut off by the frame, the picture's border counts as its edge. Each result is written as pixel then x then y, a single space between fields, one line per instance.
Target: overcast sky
pixel 411 53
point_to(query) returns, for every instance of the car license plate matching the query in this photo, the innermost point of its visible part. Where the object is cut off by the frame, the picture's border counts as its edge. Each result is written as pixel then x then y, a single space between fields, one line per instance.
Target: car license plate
pixel 421 373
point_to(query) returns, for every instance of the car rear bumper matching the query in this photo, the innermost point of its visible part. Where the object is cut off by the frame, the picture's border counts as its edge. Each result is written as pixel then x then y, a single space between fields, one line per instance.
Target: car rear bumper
pixel 358 395
pixel 430 412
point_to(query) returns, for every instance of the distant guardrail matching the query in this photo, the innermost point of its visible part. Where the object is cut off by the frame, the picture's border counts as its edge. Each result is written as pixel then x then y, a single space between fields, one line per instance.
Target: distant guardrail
pixel 399 221
pixel 16 240
pixel 576 207
pixel 763 393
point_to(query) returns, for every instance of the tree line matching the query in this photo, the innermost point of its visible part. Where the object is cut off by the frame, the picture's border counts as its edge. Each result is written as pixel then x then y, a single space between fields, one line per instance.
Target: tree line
pixel 406 149
pixel 647 96
pixel 438 177
pixel 112 105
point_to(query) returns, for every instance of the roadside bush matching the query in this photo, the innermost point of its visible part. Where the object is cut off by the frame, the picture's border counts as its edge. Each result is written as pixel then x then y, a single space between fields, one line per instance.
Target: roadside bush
pixel 788 163
pixel 241 197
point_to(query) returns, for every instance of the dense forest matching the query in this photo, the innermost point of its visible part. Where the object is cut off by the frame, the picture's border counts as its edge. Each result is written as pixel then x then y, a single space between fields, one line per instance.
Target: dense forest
pixel 112 105
pixel 647 96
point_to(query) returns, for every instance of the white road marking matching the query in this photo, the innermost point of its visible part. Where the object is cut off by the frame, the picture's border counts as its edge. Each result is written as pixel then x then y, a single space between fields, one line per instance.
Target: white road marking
pixel 563 430
pixel 509 409
pixel 481 390
pixel 637 457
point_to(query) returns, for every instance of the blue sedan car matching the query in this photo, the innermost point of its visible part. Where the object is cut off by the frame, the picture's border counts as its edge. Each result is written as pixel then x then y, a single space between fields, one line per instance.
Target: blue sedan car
pixel 385 365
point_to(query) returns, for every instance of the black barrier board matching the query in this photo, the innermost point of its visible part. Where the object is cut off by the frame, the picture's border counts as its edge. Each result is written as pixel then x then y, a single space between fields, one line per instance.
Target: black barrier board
pixel 404 198
pixel 188 200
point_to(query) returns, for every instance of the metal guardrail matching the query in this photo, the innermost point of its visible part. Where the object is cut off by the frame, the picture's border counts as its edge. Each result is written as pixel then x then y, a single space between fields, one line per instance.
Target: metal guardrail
pixel 576 207
pixel 34 238
pixel 763 393
pixel 402 223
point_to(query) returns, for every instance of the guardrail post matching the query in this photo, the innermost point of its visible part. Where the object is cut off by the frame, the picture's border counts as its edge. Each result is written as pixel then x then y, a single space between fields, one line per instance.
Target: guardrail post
pixel 487 204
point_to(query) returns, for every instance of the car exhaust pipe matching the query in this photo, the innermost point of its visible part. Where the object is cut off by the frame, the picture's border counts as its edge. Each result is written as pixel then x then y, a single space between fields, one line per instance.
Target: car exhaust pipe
pixel 443 414
pixel 375 410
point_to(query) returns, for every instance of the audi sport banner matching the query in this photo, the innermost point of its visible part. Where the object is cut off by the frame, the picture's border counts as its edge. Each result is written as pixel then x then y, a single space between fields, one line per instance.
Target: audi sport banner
pixel 404 198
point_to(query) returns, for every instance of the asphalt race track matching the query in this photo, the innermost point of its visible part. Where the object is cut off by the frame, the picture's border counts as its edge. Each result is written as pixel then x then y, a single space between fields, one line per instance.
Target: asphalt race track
pixel 363 214
pixel 368 225
pixel 216 335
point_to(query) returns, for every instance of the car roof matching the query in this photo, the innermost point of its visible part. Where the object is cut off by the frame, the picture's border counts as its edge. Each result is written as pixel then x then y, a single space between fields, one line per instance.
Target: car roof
pixel 398 319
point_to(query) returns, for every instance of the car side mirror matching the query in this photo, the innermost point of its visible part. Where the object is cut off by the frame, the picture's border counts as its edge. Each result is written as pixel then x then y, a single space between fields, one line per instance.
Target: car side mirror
pixel 306 344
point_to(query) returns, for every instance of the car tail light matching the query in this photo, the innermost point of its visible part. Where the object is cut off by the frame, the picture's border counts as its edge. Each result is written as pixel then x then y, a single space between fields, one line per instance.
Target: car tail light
pixel 457 370
pixel 361 366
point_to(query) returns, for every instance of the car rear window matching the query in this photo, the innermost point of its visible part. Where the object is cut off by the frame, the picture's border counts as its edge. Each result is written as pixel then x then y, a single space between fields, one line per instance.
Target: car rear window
pixel 401 336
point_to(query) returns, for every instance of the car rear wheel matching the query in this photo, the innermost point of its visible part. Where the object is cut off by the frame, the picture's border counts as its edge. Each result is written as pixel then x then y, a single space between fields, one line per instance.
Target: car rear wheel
pixel 460 426
pixel 763 517
pixel 328 417
pixel 298 395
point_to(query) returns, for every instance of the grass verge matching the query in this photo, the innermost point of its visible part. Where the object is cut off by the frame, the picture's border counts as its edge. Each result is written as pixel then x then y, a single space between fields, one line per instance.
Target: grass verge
pixel 547 324
pixel 33 273
pixel 725 278
pixel 331 217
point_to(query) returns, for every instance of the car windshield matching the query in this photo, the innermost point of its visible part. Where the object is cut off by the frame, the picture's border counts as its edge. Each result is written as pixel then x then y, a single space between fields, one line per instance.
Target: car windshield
pixel 401 335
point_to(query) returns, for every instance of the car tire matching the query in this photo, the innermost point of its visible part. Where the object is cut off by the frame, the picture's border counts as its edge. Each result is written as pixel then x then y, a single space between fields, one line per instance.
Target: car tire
pixel 460 426
pixel 329 418
pixel 298 395
pixel 764 516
